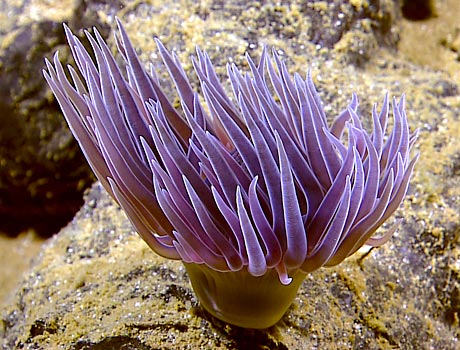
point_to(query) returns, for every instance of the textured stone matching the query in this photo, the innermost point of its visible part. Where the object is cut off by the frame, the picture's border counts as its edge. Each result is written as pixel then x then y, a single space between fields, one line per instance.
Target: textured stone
pixel 96 285
pixel 42 171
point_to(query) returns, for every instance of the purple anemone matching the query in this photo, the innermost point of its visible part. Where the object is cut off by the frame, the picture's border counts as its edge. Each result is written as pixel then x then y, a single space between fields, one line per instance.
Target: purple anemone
pixel 251 191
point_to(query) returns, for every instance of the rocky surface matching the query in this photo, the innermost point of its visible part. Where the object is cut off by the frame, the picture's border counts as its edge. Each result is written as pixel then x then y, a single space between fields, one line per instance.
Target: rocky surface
pixel 96 285
pixel 42 171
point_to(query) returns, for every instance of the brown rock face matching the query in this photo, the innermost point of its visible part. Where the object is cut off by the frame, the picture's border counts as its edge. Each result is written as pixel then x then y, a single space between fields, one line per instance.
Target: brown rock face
pixel 96 285
pixel 42 171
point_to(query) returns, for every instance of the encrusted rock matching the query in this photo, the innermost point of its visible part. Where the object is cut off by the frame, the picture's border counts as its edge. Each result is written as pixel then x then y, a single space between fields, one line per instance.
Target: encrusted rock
pixel 96 284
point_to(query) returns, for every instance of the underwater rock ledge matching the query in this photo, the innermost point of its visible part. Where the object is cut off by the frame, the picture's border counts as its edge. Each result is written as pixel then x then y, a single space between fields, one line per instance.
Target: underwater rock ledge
pixel 97 284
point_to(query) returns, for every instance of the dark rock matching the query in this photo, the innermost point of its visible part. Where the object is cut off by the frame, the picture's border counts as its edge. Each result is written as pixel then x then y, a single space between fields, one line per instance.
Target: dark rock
pixel 97 285
pixel 42 171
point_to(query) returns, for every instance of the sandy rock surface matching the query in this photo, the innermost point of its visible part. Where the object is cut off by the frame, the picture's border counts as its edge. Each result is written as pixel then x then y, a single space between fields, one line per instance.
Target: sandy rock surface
pixel 96 285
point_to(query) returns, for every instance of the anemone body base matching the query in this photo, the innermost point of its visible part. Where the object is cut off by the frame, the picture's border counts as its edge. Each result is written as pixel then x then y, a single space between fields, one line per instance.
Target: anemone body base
pixel 243 300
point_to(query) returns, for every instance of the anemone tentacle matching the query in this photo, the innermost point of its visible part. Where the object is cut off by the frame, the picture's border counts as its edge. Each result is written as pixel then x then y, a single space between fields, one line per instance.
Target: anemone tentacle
pixel 257 183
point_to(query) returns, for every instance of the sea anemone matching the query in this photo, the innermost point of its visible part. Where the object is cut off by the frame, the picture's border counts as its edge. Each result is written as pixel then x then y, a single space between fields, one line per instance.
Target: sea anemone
pixel 251 192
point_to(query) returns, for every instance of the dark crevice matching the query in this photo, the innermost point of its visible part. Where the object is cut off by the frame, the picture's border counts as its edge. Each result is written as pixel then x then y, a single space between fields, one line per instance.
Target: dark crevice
pixel 418 10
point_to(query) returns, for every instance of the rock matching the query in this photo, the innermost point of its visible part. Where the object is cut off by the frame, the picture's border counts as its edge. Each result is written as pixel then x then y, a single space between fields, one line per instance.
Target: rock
pixel 42 171
pixel 96 285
